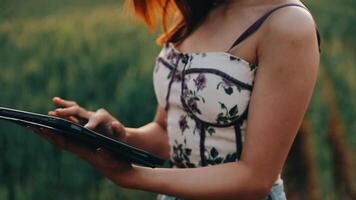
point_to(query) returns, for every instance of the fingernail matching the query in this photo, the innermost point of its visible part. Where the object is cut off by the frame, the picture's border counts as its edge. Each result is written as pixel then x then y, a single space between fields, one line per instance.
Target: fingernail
pixel 57 99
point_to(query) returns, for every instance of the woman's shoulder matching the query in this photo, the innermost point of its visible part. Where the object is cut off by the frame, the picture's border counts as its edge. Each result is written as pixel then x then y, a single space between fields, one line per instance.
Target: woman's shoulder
pixel 291 23
pixel 290 41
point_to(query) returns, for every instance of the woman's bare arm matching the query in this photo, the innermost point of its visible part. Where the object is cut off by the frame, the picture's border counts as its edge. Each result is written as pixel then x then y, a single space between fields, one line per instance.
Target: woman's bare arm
pixel 153 136
pixel 288 63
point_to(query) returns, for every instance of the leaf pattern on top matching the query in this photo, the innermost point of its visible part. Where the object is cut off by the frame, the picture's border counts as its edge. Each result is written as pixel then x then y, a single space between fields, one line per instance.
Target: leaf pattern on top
pixel 196 99
pixel 213 157
pixel 252 67
pixel 227 115
pixel 192 97
pixel 228 86
pixel 200 82
pixel 183 124
pixel 181 154
pixel 211 130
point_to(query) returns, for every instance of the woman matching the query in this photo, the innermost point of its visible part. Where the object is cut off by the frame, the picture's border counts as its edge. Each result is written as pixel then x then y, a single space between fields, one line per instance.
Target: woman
pixel 227 117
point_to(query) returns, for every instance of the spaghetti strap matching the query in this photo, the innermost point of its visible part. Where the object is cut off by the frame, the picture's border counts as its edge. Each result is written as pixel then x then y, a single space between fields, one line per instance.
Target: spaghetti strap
pixel 255 26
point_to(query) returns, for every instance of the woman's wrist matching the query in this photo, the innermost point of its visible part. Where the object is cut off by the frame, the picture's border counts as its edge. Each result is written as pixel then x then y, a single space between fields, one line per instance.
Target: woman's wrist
pixel 136 178
pixel 145 178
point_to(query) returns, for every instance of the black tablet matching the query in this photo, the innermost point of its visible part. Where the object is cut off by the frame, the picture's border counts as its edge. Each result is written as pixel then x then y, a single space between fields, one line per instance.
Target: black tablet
pixel 86 136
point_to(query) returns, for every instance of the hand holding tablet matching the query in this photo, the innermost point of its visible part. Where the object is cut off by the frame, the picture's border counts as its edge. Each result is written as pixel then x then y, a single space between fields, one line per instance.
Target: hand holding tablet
pixel 100 121
pixel 69 133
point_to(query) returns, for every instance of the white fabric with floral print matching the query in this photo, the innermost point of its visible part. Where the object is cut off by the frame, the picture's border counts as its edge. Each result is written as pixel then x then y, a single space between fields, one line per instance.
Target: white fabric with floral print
pixel 209 91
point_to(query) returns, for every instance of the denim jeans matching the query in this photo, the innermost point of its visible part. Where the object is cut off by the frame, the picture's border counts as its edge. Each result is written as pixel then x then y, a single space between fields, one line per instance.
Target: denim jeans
pixel 277 193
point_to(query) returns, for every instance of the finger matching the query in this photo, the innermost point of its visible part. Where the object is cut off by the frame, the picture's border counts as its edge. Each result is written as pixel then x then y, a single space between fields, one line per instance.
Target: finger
pixel 70 118
pixel 64 143
pixel 63 103
pixel 96 119
pixel 81 151
pixel 52 113
pixel 36 130
pixel 44 133
pixel 73 147
pixel 74 120
pixel 102 155
pixel 118 130
pixel 104 159
pixel 72 111
pixel 69 111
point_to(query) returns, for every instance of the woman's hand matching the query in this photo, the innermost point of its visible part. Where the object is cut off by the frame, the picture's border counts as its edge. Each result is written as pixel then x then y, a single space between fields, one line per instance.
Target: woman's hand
pixel 119 172
pixel 100 120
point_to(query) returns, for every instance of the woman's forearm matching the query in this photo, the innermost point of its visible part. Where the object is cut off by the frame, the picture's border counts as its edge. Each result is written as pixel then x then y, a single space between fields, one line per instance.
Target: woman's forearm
pixel 152 137
pixel 225 181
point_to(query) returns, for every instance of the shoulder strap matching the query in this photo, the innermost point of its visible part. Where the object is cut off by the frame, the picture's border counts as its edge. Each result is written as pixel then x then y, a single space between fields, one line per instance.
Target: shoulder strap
pixel 255 26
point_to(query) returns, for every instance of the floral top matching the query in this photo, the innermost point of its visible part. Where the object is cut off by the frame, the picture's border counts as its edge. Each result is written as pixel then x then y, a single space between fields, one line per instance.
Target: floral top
pixel 206 96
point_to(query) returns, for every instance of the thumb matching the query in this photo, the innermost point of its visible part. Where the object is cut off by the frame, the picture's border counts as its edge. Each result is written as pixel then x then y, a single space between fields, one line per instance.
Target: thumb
pixel 92 123
pixel 118 130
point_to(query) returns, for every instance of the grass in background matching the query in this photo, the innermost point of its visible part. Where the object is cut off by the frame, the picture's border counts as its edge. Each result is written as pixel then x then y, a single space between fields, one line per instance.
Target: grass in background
pixel 93 52
pixel 100 58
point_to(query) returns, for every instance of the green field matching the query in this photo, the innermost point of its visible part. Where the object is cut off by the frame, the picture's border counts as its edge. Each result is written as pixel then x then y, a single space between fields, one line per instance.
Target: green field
pixel 95 53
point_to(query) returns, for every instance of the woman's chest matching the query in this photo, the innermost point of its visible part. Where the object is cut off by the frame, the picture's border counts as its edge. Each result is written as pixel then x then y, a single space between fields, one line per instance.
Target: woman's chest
pixel 214 87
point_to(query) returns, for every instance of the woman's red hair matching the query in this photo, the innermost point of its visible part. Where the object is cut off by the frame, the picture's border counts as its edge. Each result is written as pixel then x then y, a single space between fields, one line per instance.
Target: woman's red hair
pixel 187 15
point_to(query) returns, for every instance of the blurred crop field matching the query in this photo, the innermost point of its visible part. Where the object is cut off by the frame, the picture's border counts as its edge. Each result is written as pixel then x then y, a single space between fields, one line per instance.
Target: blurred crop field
pixel 96 53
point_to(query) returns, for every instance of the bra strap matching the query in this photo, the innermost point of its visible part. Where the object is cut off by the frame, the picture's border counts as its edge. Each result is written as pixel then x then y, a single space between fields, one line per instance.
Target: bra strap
pixel 255 26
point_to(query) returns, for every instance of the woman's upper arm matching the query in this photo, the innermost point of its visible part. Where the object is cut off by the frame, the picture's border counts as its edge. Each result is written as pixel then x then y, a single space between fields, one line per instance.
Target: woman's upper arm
pixel 288 64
